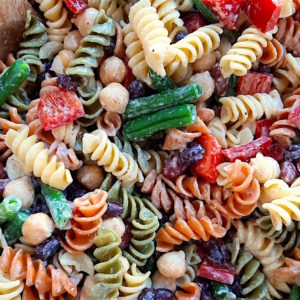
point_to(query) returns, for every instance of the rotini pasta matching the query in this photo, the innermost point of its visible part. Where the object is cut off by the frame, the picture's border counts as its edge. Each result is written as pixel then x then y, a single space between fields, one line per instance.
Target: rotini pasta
pixel 68 134
pixel 20 266
pixel 184 5
pixel 10 289
pixel 35 37
pixel 109 268
pixel 244 52
pixel 36 158
pixel 238 176
pixel 58 22
pixel 133 283
pixel 110 122
pixel 112 8
pixel 250 108
pixel 107 154
pixel 288 8
pixel 152 34
pixel 266 252
pixel 191 291
pixel 86 219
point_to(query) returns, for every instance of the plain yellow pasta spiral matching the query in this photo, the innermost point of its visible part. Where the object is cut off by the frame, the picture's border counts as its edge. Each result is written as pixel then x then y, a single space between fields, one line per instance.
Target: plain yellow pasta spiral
pixel 57 15
pixel 152 34
pixel 112 8
pixel 244 52
pixel 10 289
pixel 250 108
pixel 36 158
pixel 168 13
pixel 107 154
pixel 67 134
pixel 184 5
pixel 288 8
pixel 136 55
pixel 193 47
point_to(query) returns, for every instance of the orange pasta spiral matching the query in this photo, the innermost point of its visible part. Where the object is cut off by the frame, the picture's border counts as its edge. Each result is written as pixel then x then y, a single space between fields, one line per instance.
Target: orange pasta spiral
pixel 86 218
pixel 20 266
pixel 110 122
pixel 238 176
pixel 289 34
pixel 197 222
pixel 31 293
pixel 192 291
pixel 4 150
pixel 273 54
pixel 15 122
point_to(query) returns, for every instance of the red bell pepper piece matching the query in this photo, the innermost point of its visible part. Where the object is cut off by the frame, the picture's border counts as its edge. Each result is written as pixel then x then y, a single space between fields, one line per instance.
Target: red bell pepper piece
pixel 294 115
pixel 296 16
pixel 253 83
pixel 224 274
pixel 226 11
pixel 129 75
pixel 245 152
pixel 59 107
pixel 207 166
pixel 193 21
pixel 76 6
pixel 264 14
pixel 263 127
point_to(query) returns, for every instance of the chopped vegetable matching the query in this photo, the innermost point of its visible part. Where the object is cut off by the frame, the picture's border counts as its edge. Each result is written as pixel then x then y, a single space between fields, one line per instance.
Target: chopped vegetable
pixel 129 75
pixel 276 151
pixel 245 152
pixel 253 83
pixel 295 293
pixel 205 12
pixel 294 115
pixel 161 83
pixel 12 79
pixel 59 107
pixel 9 208
pixel 142 106
pixel 193 21
pixel 224 274
pixel 227 11
pixel 207 166
pixel 76 6
pixel 147 125
pixel 58 205
pixel 264 14
pixel 263 127
pixel 13 229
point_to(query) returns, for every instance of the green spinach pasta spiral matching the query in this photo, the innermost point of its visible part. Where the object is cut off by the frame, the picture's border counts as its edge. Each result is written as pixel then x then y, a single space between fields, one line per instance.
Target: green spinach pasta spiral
pixel 35 37
pixel 144 217
pixel 109 268
pixel 247 267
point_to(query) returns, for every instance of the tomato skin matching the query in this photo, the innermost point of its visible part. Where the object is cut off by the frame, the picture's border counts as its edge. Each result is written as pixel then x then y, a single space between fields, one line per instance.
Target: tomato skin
pixel 263 127
pixel 227 11
pixel 294 115
pixel 207 166
pixel 245 152
pixel 76 6
pixel 59 107
pixel 193 21
pixel 253 83
pixel 224 274
pixel 264 14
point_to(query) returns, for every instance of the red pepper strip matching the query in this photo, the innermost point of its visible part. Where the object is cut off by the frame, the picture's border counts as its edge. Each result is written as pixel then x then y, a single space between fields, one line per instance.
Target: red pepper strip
pixel 76 6
pixel 263 127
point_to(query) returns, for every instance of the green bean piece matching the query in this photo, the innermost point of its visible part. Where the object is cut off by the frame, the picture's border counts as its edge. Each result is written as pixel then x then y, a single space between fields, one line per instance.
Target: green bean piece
pixel 146 105
pixel 58 205
pixel 205 12
pixel 173 117
pixel 295 293
pixel 9 208
pixel 12 79
pixel 13 229
pixel 161 83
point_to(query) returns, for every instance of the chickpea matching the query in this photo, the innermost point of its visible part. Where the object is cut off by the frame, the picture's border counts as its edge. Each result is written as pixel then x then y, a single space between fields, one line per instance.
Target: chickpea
pixel 161 282
pixel 61 61
pixel 114 98
pixel 21 188
pixel 15 168
pixel 116 224
pixel 37 228
pixel 90 176
pixel 205 63
pixel 72 40
pixel 85 20
pixel 125 264
pixel 172 264
pixel 112 69
pixel 224 47
pixel 207 83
